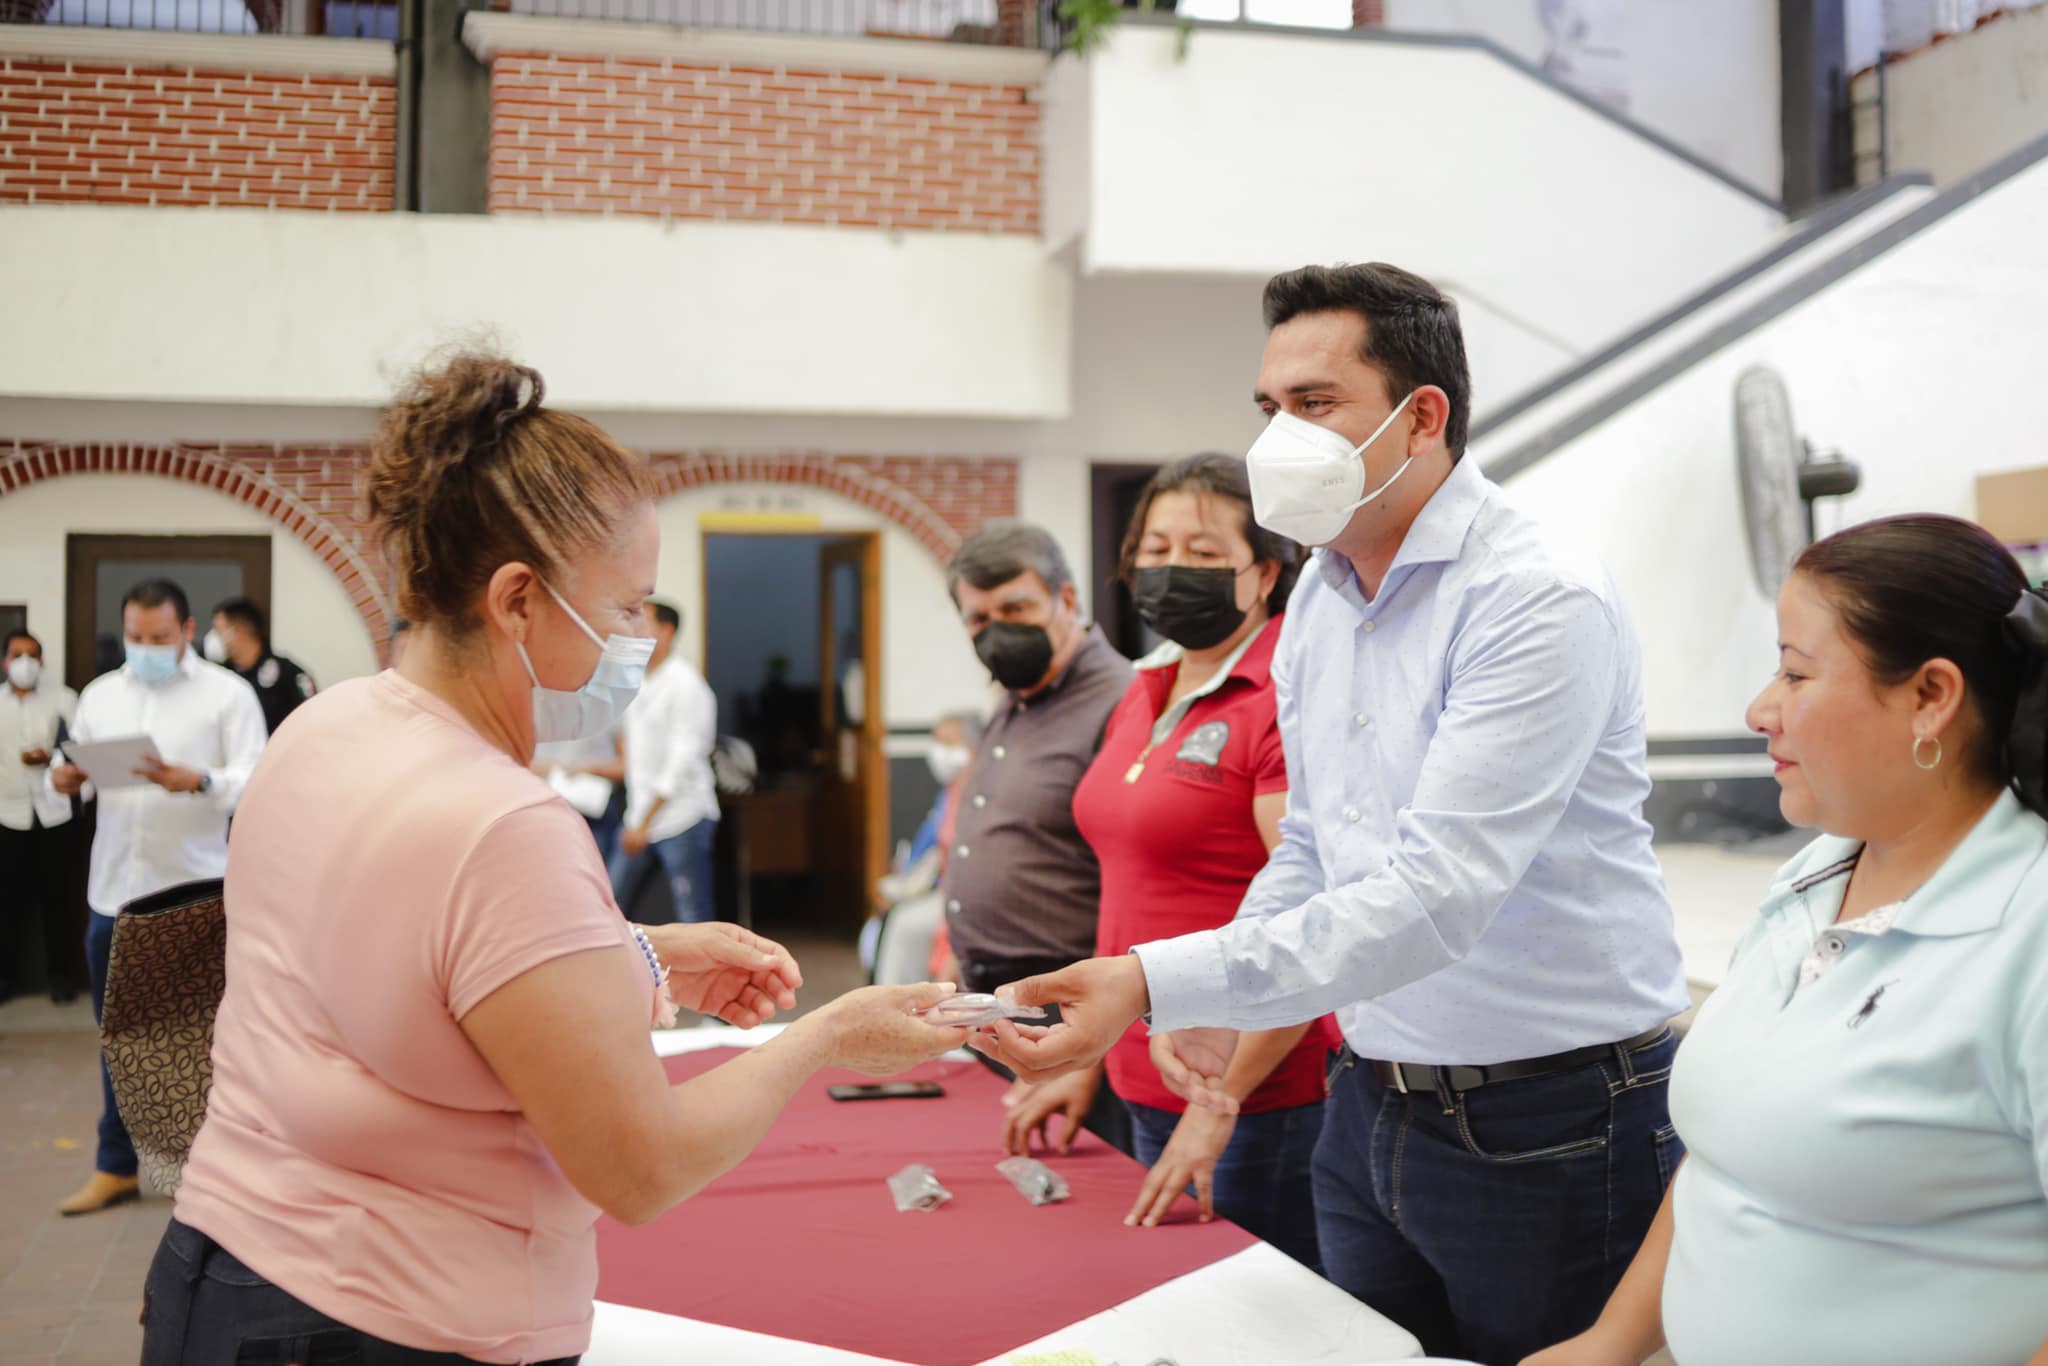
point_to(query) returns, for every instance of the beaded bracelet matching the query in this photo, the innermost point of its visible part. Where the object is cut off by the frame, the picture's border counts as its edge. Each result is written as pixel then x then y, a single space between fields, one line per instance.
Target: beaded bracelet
pixel 664 1003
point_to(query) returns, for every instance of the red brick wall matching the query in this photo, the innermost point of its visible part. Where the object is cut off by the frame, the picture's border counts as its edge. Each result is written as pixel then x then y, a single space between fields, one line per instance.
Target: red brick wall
pixel 313 491
pixel 1368 13
pixel 73 132
pixel 670 140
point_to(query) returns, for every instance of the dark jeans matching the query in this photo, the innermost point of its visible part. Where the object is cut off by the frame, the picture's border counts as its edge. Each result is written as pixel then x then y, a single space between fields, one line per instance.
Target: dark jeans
pixel 1107 1118
pixel 202 1307
pixel 1262 1181
pixel 1501 1224
pixel 117 1153
pixel 685 859
pixel 40 908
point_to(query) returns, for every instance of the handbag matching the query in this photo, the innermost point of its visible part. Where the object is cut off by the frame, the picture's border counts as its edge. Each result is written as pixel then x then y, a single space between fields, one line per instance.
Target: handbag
pixel 166 971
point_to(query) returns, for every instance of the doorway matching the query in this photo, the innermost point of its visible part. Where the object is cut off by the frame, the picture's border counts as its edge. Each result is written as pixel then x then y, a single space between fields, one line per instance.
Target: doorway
pixel 99 571
pixel 792 650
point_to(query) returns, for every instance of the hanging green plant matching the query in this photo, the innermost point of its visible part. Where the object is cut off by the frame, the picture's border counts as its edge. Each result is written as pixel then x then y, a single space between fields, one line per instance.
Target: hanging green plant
pixel 1089 23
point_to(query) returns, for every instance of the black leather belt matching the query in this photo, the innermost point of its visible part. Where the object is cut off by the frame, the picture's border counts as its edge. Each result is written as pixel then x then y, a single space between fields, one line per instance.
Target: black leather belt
pixel 1419 1076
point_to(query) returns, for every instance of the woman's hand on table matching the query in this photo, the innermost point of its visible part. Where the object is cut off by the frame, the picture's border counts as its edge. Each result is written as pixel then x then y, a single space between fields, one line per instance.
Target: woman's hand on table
pixel 1193 1064
pixel 717 968
pixel 876 1031
pixel 1031 1113
pixel 1189 1159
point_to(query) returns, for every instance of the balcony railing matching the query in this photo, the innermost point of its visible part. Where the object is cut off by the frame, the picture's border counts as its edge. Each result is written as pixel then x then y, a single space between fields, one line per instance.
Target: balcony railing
pixel 974 21
pixel 335 18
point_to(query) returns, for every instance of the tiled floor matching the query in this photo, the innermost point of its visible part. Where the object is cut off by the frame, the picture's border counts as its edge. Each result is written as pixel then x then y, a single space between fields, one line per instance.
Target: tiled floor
pixel 71 1289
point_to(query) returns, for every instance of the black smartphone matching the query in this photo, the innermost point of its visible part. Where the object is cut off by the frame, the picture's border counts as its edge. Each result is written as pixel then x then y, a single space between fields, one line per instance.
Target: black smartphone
pixel 886 1090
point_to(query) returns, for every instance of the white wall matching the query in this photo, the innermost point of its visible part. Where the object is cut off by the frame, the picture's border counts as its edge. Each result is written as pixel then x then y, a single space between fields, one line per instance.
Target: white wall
pixel 928 667
pixel 328 309
pixel 1705 75
pixel 1956 107
pixel 312 619
pixel 1446 160
pixel 1871 364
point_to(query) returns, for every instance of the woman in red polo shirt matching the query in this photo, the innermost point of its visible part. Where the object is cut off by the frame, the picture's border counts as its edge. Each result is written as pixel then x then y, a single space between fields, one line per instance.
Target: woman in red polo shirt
pixel 1181 806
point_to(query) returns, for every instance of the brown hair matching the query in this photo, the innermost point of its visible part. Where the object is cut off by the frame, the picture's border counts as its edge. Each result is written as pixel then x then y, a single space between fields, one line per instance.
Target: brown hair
pixel 469 472
pixel 1223 476
pixel 1915 588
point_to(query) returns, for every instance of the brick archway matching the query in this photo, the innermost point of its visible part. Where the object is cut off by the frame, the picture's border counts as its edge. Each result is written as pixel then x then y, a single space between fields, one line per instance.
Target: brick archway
pixel 939 500
pixel 308 491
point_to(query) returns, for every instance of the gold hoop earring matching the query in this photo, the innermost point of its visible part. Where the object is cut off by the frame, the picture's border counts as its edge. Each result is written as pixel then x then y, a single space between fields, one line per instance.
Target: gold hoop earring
pixel 1921 740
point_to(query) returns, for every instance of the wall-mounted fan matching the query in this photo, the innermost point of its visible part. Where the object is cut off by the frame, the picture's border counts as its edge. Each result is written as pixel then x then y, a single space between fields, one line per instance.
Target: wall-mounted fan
pixel 1781 476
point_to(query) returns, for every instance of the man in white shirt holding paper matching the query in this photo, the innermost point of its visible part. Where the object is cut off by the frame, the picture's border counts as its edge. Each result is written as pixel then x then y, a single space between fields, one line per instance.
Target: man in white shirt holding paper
pixel 166 822
pixel 35 823
pixel 671 801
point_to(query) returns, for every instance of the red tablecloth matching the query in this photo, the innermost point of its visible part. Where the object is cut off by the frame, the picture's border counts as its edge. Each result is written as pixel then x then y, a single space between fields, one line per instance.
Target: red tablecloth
pixel 802 1241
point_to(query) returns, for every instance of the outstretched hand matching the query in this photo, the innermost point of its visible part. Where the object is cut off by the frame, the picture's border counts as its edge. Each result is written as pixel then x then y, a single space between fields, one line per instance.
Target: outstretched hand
pixel 1098 998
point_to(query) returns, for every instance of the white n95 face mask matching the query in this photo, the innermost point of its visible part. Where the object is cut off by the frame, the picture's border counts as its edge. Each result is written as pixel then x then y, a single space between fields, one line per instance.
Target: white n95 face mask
pixel 596 706
pixel 1306 479
pixel 214 647
pixel 948 762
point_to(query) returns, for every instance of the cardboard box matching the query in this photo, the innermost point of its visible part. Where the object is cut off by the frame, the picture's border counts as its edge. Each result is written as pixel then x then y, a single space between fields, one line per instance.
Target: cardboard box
pixel 2013 506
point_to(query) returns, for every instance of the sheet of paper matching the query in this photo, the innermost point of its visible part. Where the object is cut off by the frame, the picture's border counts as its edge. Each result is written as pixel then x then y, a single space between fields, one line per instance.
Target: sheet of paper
pixel 111 763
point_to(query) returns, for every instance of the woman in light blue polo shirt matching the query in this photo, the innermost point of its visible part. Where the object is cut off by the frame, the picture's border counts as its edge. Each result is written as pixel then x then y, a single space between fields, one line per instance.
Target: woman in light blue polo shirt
pixel 1865 1097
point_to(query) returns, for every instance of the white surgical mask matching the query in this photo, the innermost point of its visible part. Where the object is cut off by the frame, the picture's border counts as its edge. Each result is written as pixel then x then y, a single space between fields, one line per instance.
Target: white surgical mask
pixel 948 762
pixel 1306 479
pixel 24 672
pixel 214 647
pixel 596 706
pixel 152 664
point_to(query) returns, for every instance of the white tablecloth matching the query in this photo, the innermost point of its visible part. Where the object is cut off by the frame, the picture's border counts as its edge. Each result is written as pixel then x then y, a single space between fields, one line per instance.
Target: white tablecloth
pixel 1256 1308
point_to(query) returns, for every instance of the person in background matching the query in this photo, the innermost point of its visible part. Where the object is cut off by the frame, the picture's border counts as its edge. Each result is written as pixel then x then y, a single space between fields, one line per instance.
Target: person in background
pixel 240 639
pixel 1021 885
pixel 671 817
pixel 431 1067
pixel 1182 806
pixel 913 913
pixel 1464 871
pixel 36 834
pixel 207 730
pixel 1864 1098
pixel 590 775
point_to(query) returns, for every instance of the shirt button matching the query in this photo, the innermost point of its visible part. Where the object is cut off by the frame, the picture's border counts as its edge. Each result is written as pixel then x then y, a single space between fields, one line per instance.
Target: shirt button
pixel 1351 814
pixel 953 908
pixel 1369 627
pixel 960 851
pixel 1360 719
pixel 980 801
pixel 1000 751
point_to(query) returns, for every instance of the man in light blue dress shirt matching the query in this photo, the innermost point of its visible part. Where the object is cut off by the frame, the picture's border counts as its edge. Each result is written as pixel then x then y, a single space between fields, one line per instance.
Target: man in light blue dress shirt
pixel 1465 874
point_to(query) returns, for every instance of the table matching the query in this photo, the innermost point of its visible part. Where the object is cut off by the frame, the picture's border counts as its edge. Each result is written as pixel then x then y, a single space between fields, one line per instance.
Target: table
pixel 1200 1295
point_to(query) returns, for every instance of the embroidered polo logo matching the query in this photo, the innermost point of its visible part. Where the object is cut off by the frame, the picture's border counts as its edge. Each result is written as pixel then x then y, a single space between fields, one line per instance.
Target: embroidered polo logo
pixel 1205 745
pixel 1869 1006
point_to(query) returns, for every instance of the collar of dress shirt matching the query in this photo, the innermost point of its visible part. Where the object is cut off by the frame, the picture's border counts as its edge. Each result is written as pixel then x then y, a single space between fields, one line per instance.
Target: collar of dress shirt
pixel 1436 536
pixel 1969 894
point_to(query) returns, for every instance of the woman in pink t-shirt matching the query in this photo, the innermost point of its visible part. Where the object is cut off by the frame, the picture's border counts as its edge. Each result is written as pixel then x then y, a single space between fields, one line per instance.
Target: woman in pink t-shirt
pixel 431 1065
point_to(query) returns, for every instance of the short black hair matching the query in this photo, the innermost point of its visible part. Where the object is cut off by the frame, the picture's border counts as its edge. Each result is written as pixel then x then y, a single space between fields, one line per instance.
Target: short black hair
pixel 20 633
pixel 247 615
pixel 1412 334
pixel 1222 476
pixel 666 614
pixel 1002 550
pixel 157 592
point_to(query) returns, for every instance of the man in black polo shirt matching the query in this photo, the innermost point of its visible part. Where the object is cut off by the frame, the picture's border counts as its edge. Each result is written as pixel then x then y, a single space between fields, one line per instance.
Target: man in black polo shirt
pixel 240 639
pixel 1021 886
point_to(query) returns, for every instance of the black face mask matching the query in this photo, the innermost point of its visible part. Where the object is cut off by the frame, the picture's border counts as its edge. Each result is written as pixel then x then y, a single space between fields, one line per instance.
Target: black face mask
pixel 1019 656
pixel 1193 608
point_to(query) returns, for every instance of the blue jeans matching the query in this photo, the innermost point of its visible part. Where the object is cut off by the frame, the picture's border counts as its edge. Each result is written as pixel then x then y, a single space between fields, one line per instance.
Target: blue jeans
pixel 117 1153
pixel 1499 1223
pixel 202 1306
pixel 685 859
pixel 1262 1181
